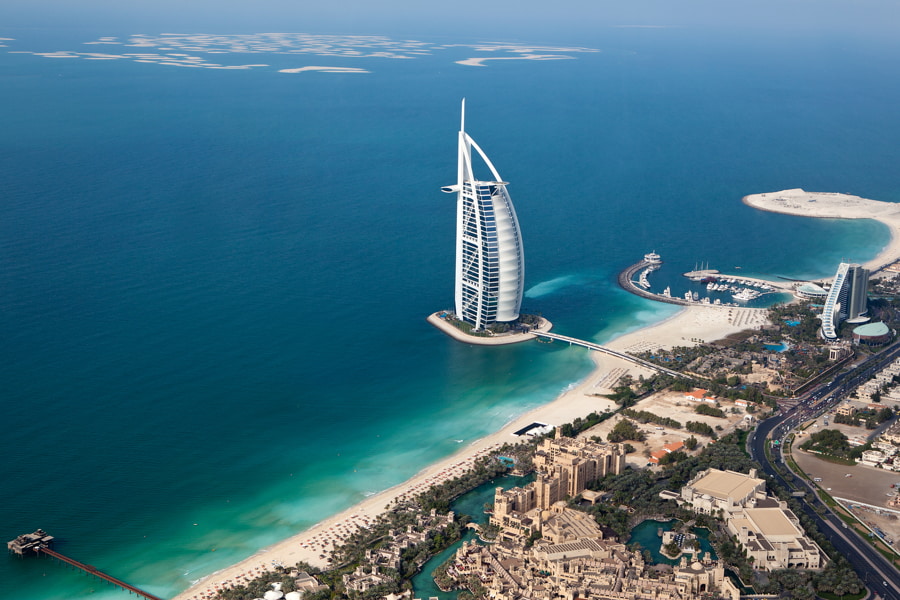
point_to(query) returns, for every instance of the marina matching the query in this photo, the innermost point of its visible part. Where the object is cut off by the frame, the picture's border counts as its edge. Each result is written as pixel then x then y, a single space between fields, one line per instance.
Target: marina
pixel 722 290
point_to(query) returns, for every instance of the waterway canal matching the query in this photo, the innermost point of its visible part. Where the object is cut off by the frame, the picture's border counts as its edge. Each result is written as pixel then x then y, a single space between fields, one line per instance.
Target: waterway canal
pixel 471 504
pixel 648 535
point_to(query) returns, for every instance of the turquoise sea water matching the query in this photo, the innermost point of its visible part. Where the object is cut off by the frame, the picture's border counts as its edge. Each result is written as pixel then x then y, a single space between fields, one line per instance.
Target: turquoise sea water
pixel 213 283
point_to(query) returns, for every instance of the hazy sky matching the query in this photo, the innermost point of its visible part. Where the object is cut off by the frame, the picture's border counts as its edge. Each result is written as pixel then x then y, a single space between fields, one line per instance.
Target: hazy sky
pixel 545 19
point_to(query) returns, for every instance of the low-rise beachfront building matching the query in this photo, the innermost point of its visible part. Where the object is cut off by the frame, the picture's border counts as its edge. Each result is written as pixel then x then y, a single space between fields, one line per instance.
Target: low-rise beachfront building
pixel 381 565
pixel 768 530
pixel 304 582
pixel 364 578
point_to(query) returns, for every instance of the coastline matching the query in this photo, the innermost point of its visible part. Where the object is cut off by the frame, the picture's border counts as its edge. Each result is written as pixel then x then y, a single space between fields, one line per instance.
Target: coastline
pixel 498 340
pixel 585 397
pixel 828 205
pixel 691 323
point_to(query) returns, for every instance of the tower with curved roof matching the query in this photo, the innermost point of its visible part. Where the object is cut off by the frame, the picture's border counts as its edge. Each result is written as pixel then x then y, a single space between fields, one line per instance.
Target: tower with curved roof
pixel 847 299
pixel 490 262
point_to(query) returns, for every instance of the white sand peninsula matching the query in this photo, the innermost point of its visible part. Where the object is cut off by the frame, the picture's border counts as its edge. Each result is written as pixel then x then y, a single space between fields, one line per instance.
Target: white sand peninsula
pixel 826 205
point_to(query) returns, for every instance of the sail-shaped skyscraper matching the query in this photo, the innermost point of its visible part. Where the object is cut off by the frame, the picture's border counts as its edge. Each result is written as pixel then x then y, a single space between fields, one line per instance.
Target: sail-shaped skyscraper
pixel 490 262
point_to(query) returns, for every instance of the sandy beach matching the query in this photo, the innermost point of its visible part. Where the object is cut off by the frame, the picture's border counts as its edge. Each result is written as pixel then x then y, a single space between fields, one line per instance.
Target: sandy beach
pixel 685 328
pixel 702 323
pixel 825 205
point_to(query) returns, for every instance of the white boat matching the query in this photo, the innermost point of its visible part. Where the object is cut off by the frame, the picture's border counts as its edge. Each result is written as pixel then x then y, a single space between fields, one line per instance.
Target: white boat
pixel 653 258
pixel 667 292
pixel 745 295
pixel 642 279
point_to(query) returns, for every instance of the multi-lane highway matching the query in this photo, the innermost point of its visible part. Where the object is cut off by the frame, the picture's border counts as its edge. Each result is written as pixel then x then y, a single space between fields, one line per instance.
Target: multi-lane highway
pixel 876 571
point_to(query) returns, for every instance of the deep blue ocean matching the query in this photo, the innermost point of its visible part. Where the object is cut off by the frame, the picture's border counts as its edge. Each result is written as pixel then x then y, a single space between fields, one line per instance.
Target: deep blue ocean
pixel 214 283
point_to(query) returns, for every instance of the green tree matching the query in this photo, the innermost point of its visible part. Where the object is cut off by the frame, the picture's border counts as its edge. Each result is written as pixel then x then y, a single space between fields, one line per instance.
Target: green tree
pixel 625 430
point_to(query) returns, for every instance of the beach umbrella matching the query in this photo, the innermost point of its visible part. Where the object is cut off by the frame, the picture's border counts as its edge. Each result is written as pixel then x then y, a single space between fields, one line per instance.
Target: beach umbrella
pixel 292 596
pixel 273 595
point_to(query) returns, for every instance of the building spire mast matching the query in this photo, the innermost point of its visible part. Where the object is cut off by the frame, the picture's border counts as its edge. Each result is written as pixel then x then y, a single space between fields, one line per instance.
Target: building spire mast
pixel 462 118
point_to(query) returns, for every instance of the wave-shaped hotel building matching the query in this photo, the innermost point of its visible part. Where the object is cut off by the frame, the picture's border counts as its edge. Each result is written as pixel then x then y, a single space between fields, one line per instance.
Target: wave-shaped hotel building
pixel 846 300
pixel 490 262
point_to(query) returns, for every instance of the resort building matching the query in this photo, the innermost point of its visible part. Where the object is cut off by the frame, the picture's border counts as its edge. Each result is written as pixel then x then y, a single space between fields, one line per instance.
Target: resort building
pixel 565 468
pixel 872 334
pixel 713 490
pixel 577 462
pixel 583 565
pixel 847 299
pixel 768 530
pixel 811 291
pixel 490 262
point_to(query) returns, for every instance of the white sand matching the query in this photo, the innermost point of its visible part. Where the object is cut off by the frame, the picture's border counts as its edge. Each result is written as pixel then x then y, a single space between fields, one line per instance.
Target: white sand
pixel 479 61
pixel 825 205
pixel 692 322
pixel 325 70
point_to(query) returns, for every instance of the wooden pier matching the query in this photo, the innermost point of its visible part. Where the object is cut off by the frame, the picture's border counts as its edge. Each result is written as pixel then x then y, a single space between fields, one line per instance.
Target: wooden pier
pixel 39 543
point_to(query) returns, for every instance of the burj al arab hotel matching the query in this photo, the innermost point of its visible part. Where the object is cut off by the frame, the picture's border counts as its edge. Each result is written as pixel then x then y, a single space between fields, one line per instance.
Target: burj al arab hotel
pixel 490 262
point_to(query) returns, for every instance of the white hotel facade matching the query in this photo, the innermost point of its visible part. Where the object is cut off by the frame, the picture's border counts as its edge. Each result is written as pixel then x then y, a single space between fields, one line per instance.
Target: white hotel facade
pixel 490 262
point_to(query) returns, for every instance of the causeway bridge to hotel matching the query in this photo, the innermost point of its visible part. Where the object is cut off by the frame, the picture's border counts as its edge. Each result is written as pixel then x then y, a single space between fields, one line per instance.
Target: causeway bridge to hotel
pixel 597 347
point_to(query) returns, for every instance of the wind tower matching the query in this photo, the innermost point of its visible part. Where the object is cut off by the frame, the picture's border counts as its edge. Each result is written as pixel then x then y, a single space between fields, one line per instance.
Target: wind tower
pixel 490 262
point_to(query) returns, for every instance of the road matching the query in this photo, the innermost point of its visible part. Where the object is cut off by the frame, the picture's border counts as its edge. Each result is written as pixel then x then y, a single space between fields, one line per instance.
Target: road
pixel 876 571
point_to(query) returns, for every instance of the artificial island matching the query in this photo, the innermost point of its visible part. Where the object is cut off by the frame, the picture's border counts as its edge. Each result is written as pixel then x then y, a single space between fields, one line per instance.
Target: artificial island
pixel 490 258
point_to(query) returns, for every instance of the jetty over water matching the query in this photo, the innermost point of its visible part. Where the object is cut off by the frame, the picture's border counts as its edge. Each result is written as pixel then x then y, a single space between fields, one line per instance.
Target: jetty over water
pixel 605 350
pixel 39 543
